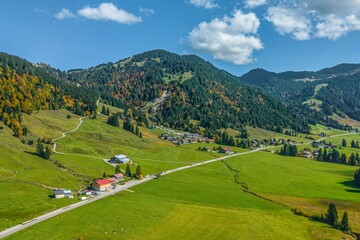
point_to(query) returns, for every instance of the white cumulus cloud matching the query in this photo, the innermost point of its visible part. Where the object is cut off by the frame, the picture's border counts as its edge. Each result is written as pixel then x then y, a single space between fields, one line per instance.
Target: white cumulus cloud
pixel 231 38
pixel 254 3
pixel 288 21
pixel 208 4
pixel 333 27
pixel 306 19
pixel 63 14
pixel 109 12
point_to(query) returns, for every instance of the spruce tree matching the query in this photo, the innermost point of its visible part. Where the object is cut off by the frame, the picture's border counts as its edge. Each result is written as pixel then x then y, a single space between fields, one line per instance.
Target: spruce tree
pixel 320 156
pixel 345 223
pixel 103 110
pixel 357 178
pixel 40 149
pixel 104 175
pixel 128 171
pixel 117 169
pixel 325 155
pixel 344 144
pixel 137 131
pixel 46 153
pixel 332 215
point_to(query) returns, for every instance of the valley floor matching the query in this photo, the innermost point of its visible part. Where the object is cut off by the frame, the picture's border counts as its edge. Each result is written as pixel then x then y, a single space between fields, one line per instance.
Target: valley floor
pixel 244 197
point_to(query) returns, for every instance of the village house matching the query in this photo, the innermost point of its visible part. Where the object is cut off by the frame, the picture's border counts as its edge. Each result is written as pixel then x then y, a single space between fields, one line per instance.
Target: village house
pixel 63 193
pixel 101 185
pixel 225 150
pixel 306 153
pixel 119 159
pixel 315 144
pixel 113 182
pixel 118 176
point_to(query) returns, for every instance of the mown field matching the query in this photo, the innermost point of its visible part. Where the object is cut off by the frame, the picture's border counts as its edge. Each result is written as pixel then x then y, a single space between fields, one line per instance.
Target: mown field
pixel 203 202
pixel 307 185
pixel 199 203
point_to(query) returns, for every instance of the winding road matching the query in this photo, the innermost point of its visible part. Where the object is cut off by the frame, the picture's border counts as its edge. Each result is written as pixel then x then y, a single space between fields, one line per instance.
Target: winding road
pixel 128 184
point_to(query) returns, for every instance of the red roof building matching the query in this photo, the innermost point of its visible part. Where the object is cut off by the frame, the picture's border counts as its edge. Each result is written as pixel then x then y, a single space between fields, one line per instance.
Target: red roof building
pixel 101 185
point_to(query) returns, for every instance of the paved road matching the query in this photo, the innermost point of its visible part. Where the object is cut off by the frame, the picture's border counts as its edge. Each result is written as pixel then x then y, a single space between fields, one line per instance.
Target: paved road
pixel 44 217
pixel 128 185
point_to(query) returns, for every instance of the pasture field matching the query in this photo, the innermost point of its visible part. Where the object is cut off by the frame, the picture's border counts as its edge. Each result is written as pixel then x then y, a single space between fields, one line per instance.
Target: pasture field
pixel 306 184
pixel 259 133
pixel 198 203
pixel 27 178
pixel 95 138
pixel 50 123
pixel 318 129
pixel 204 202
pixel 23 181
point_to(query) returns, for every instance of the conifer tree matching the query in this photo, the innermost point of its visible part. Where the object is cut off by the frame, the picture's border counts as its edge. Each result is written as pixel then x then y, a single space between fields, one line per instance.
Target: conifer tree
pixel 128 171
pixel 117 169
pixel 47 153
pixel 332 215
pixel 357 178
pixel 137 131
pixel 39 149
pixel 344 144
pixel 344 226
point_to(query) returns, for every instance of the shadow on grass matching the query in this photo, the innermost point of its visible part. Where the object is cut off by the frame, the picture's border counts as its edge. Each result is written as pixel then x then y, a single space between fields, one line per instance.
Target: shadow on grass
pixel 32 153
pixel 350 183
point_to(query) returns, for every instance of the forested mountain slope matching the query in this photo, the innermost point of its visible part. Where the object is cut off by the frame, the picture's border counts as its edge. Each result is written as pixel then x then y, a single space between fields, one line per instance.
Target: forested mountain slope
pixel 26 87
pixel 318 95
pixel 191 89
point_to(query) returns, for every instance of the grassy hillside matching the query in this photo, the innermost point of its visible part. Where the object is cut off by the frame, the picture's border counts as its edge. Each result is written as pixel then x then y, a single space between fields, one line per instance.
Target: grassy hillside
pixel 23 181
pixel 194 204
pixel 298 182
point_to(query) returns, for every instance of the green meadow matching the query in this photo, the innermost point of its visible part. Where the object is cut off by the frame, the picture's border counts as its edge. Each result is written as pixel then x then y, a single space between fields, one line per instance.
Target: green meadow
pixel 198 203
pixel 203 202
pixel 305 184
pixel 23 181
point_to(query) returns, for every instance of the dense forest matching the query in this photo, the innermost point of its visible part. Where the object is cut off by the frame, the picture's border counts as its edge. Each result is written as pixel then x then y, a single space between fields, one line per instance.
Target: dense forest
pixel 182 92
pixel 25 88
pixel 172 90
pixel 340 94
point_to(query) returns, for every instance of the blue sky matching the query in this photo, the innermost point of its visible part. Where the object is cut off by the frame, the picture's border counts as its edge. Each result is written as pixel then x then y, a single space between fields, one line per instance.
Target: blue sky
pixel 234 35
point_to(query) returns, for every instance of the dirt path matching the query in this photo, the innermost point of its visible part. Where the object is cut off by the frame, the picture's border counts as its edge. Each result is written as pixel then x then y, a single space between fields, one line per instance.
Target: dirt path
pixel 64 135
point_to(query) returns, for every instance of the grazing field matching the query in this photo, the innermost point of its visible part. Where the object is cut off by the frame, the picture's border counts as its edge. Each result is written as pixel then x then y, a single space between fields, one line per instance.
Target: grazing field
pixel 259 133
pixel 95 138
pixel 306 184
pixel 23 181
pixel 204 202
pixel 346 121
pixel 318 129
pixel 50 124
pixel 23 175
pixel 198 203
